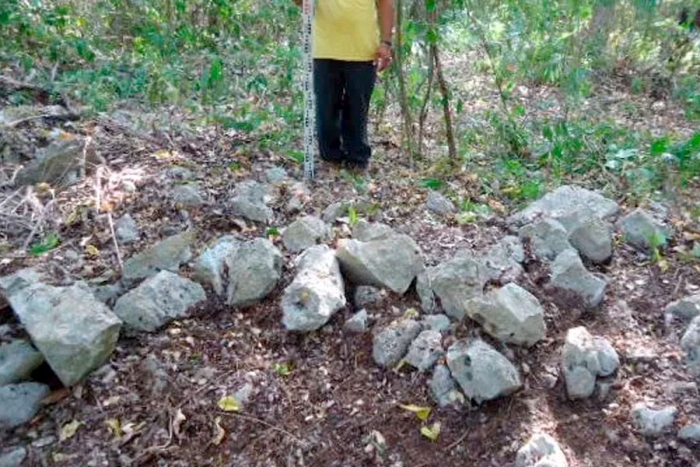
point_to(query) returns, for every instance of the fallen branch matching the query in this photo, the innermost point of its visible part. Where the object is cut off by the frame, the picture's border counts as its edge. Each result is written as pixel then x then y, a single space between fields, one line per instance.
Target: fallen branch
pixel 66 117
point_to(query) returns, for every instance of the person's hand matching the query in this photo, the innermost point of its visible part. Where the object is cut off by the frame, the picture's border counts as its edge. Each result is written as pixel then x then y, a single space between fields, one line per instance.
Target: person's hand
pixel 384 57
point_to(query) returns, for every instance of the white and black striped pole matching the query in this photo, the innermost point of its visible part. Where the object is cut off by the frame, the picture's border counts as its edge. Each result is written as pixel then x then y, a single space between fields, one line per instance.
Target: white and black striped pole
pixel 308 9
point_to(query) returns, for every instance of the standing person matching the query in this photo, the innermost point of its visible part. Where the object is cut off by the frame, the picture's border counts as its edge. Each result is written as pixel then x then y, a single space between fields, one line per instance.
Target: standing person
pixel 352 43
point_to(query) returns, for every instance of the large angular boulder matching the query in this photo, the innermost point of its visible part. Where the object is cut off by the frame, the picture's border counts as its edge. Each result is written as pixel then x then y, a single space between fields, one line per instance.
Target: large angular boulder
pixel 61 163
pixel 547 238
pixel 686 308
pixel 250 201
pixel 570 205
pixel 74 331
pixel 214 263
pixel 594 240
pixel 166 255
pixel 158 300
pixel 481 371
pixel 585 358
pixel 255 271
pixel 653 422
pixel 510 314
pixel 304 233
pixel 644 231
pixel 503 261
pixel 453 282
pixel 443 388
pixel 392 261
pixel 390 344
pixel 17 361
pixel 425 350
pixel 569 274
pixel 19 403
pixel 541 450
pixel 690 343
pixel 316 293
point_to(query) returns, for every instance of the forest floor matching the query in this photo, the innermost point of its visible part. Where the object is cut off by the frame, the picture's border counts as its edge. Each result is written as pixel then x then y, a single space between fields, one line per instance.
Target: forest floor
pixel 318 399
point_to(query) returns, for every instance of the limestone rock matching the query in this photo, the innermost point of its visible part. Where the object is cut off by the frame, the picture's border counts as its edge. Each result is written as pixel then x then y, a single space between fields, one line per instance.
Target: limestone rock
pixel 166 255
pixel 391 262
pixel 437 322
pixel 213 265
pixel 365 231
pixel 510 314
pixel 653 422
pixel 454 282
pixel 357 323
pixel 316 293
pixel 425 350
pixel 61 163
pixel 481 371
pixel 690 343
pixel 569 274
pixel 19 403
pixel 390 344
pixel 17 361
pixel 305 232
pixel 250 201
pixel 547 237
pixel 366 295
pixel 541 450
pixel 439 204
pixel 593 240
pixel 74 331
pixel 126 230
pixel 424 289
pixel 570 205
pixel 686 308
pixel 584 358
pixel 334 211
pixel 13 457
pixel 276 175
pixel 503 261
pixel 643 231
pixel 255 271
pixel 690 432
pixel 188 195
pixel 158 300
pixel 443 387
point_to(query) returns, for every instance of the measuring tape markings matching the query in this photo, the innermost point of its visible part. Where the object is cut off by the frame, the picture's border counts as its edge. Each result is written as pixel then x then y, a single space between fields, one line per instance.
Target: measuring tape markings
pixel 308 10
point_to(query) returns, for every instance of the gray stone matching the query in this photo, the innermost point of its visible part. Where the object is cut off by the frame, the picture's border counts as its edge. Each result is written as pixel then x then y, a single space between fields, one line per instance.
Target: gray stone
pixel 316 293
pixel 502 262
pixel 593 240
pixel 19 403
pixel 584 358
pixel 569 274
pixel 570 205
pixel 276 175
pixel 366 231
pixel 443 388
pixel 690 343
pixel 690 432
pixel 158 300
pixel 62 163
pixel 438 322
pixel 454 282
pixel 17 361
pixel 366 295
pixel 74 331
pixel 126 230
pixel 390 262
pixel 511 314
pixel 357 323
pixel 439 204
pixel 424 289
pixel 251 200
pixel 254 273
pixel 482 372
pixel 425 350
pixel 13 457
pixel 686 308
pixel 642 230
pixel 188 195
pixel 304 233
pixel 213 265
pixel 107 293
pixel 334 211
pixel 653 422
pixel 166 255
pixel 390 344
pixel 541 450
pixel 547 238
pixel 179 173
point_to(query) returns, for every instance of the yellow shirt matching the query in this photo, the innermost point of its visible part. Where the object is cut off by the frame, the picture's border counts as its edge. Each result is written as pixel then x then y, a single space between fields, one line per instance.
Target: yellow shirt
pixel 346 30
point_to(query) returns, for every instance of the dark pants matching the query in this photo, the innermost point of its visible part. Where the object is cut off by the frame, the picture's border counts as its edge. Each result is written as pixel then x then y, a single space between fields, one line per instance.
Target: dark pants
pixel 343 90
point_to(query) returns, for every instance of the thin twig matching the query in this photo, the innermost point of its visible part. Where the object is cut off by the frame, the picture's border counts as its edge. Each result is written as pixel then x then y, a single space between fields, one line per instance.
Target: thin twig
pixel 263 422
pixel 42 116
pixel 38 223
pixel 114 239
pixel 459 440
